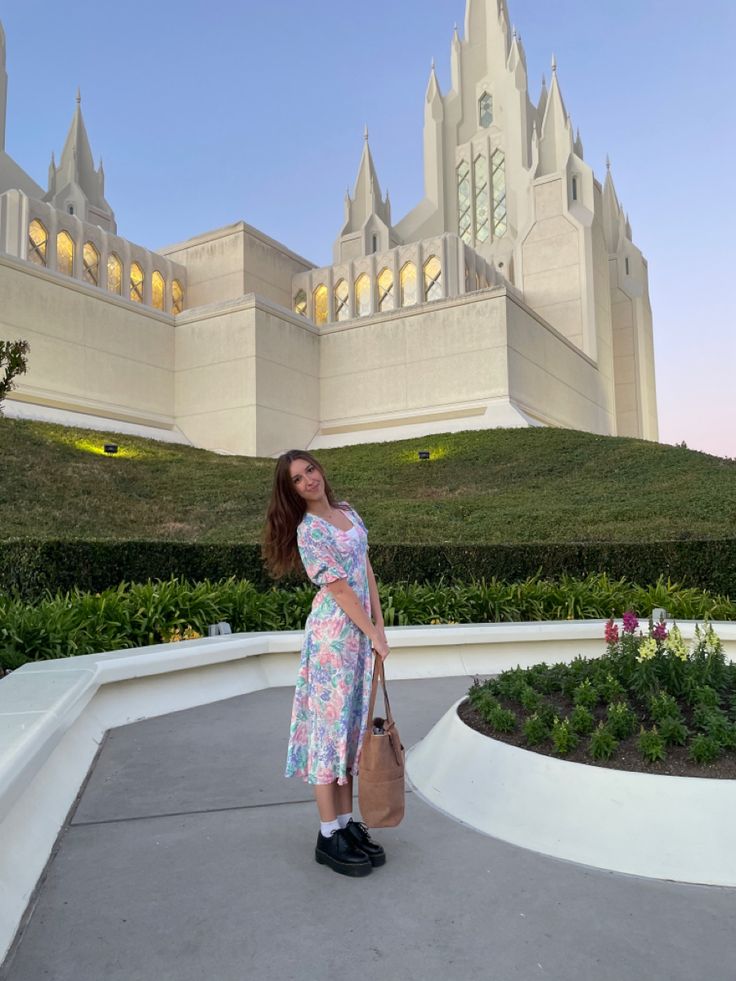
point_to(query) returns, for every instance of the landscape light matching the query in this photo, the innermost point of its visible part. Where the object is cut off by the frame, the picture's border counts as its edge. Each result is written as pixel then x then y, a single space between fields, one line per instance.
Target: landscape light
pixel 111 448
pixel 423 454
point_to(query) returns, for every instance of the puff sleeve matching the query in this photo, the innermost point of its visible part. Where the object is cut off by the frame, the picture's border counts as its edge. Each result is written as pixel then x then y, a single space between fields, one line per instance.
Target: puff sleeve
pixel 321 560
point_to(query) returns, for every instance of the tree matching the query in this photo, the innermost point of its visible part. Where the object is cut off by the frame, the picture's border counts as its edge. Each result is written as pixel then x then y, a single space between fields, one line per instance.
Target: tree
pixel 13 362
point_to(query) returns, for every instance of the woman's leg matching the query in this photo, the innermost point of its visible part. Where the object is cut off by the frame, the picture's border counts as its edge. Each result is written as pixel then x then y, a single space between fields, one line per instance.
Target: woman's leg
pixel 326 801
pixel 344 796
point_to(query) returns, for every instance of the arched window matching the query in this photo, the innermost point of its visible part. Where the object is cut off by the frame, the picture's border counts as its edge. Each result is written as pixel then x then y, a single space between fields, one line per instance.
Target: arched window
pixel 342 293
pixel 114 274
pixel 386 298
pixel 158 290
pixel 408 284
pixel 499 194
pixel 319 298
pixel 482 212
pixel 463 202
pixel 485 110
pixel 433 279
pixel 38 243
pixel 177 297
pixel 300 303
pixel 91 261
pixel 363 295
pixel 136 283
pixel 574 188
pixel 65 253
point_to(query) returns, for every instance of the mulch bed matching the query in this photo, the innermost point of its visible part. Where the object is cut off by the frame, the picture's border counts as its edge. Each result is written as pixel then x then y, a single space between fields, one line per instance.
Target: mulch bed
pixel 626 757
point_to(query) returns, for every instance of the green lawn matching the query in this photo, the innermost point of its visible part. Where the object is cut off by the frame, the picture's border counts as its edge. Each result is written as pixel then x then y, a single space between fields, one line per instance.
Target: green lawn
pixel 501 485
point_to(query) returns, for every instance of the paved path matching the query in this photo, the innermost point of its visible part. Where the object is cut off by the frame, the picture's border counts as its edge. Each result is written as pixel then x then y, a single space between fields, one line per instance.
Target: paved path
pixel 190 858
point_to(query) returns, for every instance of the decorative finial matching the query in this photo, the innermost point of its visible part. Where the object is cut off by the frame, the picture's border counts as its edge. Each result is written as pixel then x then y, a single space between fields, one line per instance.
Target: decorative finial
pixel 53 160
pixel 432 62
pixel 513 29
pixel 554 65
pixel 544 81
pixel 608 162
pixel 365 132
pixel 79 96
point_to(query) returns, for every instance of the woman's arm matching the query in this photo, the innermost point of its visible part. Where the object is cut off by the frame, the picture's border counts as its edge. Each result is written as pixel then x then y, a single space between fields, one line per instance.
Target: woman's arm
pixel 346 598
pixel 375 598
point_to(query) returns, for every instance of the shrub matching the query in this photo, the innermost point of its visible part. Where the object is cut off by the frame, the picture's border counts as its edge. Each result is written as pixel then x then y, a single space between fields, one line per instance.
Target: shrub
pixel 603 743
pixel 704 749
pixel 610 689
pixel 673 731
pixel 530 699
pixel 663 706
pixel 582 721
pixel 585 694
pixel 536 730
pixel 651 745
pixel 564 739
pixel 501 720
pixel 622 720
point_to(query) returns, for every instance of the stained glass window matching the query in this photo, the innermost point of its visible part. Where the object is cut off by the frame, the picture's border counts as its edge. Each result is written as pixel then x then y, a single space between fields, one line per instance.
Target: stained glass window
pixel 320 298
pixel 114 274
pixel 482 215
pixel 38 242
pixel 485 110
pixel 65 253
pixel 499 194
pixel 300 303
pixel 363 295
pixel 91 262
pixel 177 297
pixel 408 284
pixel 432 279
pixel 463 202
pixel 386 298
pixel 136 283
pixel 158 290
pixel 342 294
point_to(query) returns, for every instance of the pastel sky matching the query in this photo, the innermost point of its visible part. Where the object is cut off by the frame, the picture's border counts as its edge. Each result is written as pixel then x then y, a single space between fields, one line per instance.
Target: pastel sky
pixel 210 113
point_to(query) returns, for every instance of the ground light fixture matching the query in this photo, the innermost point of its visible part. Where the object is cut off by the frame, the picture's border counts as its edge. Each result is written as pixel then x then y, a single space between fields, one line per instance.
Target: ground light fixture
pixel 423 454
pixel 111 449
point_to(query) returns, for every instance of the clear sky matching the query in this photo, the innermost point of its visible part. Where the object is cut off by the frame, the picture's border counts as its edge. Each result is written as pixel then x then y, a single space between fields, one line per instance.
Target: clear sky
pixel 206 114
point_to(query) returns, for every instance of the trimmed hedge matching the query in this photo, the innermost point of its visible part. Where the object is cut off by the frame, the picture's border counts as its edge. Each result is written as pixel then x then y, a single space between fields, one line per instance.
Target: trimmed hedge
pixel 30 568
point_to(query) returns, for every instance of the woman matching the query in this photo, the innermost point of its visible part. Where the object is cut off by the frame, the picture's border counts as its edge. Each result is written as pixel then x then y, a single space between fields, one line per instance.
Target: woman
pixel 330 714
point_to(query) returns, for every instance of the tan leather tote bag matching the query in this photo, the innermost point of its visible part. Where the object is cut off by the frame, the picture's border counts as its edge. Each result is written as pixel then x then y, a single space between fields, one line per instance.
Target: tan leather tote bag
pixel 381 771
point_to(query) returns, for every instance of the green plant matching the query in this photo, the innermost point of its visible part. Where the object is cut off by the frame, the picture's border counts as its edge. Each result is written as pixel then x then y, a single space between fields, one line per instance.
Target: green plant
pixel 564 740
pixel 530 699
pixel 673 731
pixel 610 689
pixel 651 745
pixel 704 696
pixel 621 720
pixel 582 720
pixel 704 749
pixel 715 723
pixel 585 694
pixel 13 362
pixel 662 706
pixel 536 730
pixel 603 743
pixel 501 720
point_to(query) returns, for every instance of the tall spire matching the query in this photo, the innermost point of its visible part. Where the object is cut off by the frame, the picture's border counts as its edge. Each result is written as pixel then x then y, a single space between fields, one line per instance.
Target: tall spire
pixel 367 213
pixel 433 96
pixel 556 139
pixel 614 222
pixel 3 88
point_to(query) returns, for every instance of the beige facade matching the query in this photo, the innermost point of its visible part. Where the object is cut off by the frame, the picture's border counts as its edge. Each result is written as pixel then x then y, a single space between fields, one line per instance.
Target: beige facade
pixel 511 295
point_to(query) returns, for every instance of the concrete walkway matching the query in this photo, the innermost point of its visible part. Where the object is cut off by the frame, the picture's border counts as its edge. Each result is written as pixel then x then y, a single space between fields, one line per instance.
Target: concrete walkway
pixel 189 857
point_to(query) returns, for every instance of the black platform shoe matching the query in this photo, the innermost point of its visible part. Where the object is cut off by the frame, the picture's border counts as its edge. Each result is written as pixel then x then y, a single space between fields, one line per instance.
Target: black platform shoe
pixel 340 853
pixel 357 833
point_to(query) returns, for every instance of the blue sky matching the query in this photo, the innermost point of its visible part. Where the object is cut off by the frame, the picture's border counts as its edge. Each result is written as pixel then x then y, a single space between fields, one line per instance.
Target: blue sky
pixel 210 113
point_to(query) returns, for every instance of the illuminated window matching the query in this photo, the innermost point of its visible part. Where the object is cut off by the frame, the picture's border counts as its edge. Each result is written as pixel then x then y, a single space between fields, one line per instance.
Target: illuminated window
pixel 38 243
pixel 300 303
pixel 320 304
pixel 158 290
pixel 485 110
pixel 65 253
pixel 177 297
pixel 499 194
pixel 91 261
pixel 432 279
pixel 386 298
pixel 362 295
pixel 408 284
pixel 114 274
pixel 136 283
pixel 342 292
pixel 482 215
pixel 463 201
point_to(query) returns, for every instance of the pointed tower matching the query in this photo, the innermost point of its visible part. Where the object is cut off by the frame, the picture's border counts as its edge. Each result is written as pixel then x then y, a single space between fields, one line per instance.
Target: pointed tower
pixel 3 89
pixel 556 139
pixel 367 227
pixel 75 187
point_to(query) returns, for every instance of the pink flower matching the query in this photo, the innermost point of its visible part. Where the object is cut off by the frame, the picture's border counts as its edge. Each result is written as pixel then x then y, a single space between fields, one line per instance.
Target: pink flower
pixel 659 631
pixel 630 622
pixel 611 632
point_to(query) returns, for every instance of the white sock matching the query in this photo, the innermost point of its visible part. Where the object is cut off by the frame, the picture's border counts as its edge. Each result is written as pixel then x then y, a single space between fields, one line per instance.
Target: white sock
pixel 328 828
pixel 344 818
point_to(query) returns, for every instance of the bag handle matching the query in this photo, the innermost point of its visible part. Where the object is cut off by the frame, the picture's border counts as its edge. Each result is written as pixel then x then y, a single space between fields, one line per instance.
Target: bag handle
pixel 379 675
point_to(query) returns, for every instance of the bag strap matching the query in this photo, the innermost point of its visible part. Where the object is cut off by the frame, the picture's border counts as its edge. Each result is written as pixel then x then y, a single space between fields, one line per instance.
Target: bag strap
pixel 379 675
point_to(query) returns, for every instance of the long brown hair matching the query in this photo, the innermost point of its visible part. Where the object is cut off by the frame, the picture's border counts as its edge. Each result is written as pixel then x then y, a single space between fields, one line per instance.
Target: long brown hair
pixel 285 510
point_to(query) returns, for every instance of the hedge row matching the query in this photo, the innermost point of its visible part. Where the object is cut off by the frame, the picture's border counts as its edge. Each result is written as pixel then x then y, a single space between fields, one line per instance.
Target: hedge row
pixel 28 569
pixel 76 622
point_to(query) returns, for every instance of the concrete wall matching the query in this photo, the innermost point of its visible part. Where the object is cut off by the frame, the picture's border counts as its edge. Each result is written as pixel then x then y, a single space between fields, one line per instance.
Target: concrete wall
pixel 90 351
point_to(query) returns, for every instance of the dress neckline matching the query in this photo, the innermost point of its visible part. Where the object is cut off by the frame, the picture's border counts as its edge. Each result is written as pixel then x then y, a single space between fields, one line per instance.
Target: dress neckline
pixel 324 521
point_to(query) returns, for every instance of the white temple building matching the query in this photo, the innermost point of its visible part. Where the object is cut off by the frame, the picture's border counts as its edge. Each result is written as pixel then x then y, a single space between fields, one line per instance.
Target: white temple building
pixel 511 295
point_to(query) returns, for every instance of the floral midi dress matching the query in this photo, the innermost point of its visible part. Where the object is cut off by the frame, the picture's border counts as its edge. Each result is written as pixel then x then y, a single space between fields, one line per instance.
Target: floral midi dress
pixel 333 687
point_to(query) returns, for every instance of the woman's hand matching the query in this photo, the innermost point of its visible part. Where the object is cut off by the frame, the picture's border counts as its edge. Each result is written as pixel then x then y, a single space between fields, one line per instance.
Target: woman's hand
pixel 379 643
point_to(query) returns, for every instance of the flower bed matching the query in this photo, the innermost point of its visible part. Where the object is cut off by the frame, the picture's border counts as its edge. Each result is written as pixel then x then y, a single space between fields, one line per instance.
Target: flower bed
pixel 650 703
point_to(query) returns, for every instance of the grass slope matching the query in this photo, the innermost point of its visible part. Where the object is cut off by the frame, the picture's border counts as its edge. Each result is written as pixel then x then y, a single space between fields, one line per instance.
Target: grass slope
pixel 500 485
